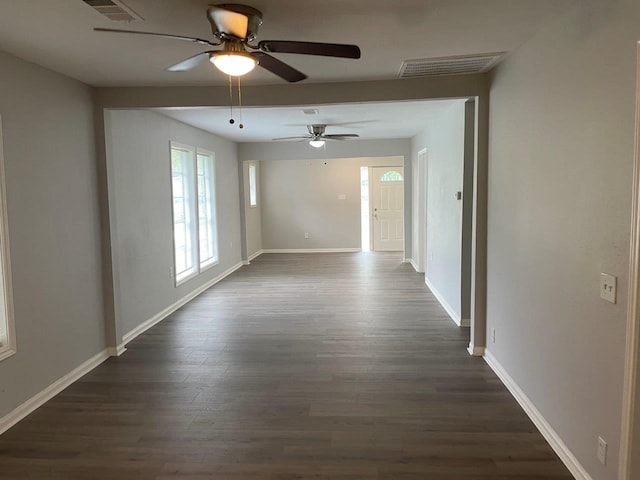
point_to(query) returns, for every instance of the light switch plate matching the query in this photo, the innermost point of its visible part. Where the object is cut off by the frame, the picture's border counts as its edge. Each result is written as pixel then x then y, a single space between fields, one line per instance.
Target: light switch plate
pixel 602 451
pixel 608 287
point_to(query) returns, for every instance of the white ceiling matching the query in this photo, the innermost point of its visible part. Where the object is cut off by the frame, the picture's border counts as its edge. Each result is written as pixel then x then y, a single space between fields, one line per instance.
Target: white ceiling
pixel 368 120
pixel 58 34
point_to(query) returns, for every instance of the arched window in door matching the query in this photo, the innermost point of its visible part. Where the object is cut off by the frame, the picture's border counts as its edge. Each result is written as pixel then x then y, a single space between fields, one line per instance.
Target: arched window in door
pixel 391 176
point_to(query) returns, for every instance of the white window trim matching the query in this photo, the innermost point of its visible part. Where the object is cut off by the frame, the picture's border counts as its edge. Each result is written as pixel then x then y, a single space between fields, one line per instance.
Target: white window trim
pixel 216 258
pixel 179 280
pixel 5 265
pixel 252 165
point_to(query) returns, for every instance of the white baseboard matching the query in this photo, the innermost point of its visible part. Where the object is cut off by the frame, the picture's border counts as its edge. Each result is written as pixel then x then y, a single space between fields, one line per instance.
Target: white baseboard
pixel 311 250
pixel 475 351
pixel 253 256
pixel 449 309
pixel 157 318
pixel 116 351
pixel 20 412
pixel 415 266
pixel 547 431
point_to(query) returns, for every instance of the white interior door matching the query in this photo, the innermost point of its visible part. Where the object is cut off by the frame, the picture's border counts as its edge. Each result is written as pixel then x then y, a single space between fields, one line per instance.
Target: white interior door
pixel 388 208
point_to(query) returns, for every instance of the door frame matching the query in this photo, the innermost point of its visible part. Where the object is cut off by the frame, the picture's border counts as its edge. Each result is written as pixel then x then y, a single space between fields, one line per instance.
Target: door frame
pixel 421 214
pixel 404 187
pixel 630 432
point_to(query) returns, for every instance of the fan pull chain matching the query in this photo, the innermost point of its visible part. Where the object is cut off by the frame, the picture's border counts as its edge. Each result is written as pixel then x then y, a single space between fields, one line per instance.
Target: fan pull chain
pixel 240 103
pixel 231 120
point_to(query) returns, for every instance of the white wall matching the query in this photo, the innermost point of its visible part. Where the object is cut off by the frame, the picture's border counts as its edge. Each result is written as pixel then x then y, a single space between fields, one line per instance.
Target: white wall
pixel 561 152
pixel 353 149
pixel 444 139
pixel 418 210
pixel 302 196
pixel 54 233
pixel 141 222
pixel 252 215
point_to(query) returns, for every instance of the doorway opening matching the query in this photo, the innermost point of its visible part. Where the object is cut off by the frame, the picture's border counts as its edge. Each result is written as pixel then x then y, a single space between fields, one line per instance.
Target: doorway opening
pixel 630 441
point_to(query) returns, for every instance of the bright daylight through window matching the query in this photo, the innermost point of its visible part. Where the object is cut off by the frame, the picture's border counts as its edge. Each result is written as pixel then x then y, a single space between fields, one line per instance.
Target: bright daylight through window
pixel 194 211
pixel 7 329
pixel 206 209
pixel 253 193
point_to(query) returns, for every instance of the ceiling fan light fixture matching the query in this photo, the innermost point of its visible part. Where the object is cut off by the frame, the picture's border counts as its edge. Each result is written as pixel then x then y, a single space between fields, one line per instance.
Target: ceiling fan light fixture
pixel 235 64
pixel 316 143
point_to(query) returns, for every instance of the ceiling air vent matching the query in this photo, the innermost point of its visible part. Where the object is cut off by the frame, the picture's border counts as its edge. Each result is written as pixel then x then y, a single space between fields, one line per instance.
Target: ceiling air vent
pixel 114 10
pixel 462 65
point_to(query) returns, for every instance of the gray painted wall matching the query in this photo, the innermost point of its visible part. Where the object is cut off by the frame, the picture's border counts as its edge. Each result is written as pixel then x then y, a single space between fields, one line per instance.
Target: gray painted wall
pixel 140 189
pixel 444 139
pixel 467 207
pixel 302 196
pixel 53 227
pixel 301 151
pixel 418 191
pixel 252 215
pixel 561 153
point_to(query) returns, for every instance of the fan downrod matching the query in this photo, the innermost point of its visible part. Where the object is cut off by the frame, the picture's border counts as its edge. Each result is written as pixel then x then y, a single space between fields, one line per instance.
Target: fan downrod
pixel 253 15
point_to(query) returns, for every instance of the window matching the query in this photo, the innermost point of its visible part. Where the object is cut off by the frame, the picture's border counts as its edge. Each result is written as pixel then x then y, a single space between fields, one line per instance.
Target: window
pixel 195 233
pixel 391 176
pixel 7 328
pixel 253 192
pixel 207 230
pixel 184 225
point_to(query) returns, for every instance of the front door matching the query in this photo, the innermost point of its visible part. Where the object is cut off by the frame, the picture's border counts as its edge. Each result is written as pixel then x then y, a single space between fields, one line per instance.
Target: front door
pixel 388 208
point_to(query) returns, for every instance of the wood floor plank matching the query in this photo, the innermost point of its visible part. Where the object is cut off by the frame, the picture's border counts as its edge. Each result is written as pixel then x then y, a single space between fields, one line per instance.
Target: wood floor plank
pixel 315 366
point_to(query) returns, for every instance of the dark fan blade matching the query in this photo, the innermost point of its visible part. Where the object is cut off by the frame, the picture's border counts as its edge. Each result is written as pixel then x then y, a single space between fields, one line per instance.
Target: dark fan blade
pixel 277 67
pixel 310 48
pixel 163 35
pixel 226 21
pixel 344 136
pixel 190 62
pixel 293 138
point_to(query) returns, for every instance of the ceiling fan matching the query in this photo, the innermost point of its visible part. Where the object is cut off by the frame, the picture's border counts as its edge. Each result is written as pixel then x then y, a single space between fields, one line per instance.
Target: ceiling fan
pixel 234 26
pixel 317 136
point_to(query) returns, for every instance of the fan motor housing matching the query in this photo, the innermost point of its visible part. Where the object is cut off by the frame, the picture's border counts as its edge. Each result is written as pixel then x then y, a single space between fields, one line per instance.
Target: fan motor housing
pixel 253 15
pixel 316 129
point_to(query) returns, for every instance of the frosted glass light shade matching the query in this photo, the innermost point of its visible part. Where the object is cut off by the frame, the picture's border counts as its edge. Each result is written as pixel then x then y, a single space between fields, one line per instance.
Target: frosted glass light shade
pixel 234 64
pixel 316 143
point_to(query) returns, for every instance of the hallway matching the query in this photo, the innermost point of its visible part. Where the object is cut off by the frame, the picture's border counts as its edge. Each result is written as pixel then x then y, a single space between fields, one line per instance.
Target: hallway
pixel 305 366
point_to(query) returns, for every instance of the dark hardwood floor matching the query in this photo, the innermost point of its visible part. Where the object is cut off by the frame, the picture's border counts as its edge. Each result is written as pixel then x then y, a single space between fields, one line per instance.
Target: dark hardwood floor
pixel 315 366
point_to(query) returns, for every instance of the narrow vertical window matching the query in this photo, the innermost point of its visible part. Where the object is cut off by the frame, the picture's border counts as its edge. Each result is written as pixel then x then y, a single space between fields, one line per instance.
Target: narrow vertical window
pixel 184 209
pixel 7 328
pixel 253 189
pixel 207 228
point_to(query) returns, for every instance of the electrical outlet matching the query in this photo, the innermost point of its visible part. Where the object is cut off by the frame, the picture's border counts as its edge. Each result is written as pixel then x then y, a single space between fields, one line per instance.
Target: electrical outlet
pixel 602 451
pixel 608 287
pixel 493 335
pixel 306 234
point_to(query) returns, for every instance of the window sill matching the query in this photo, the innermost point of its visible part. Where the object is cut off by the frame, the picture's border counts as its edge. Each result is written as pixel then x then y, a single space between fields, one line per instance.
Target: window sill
pixel 206 266
pixel 7 352
pixel 186 278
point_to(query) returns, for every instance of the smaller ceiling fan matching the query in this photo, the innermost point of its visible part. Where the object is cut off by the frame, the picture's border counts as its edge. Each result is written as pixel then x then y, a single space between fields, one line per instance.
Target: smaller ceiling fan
pixel 317 136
